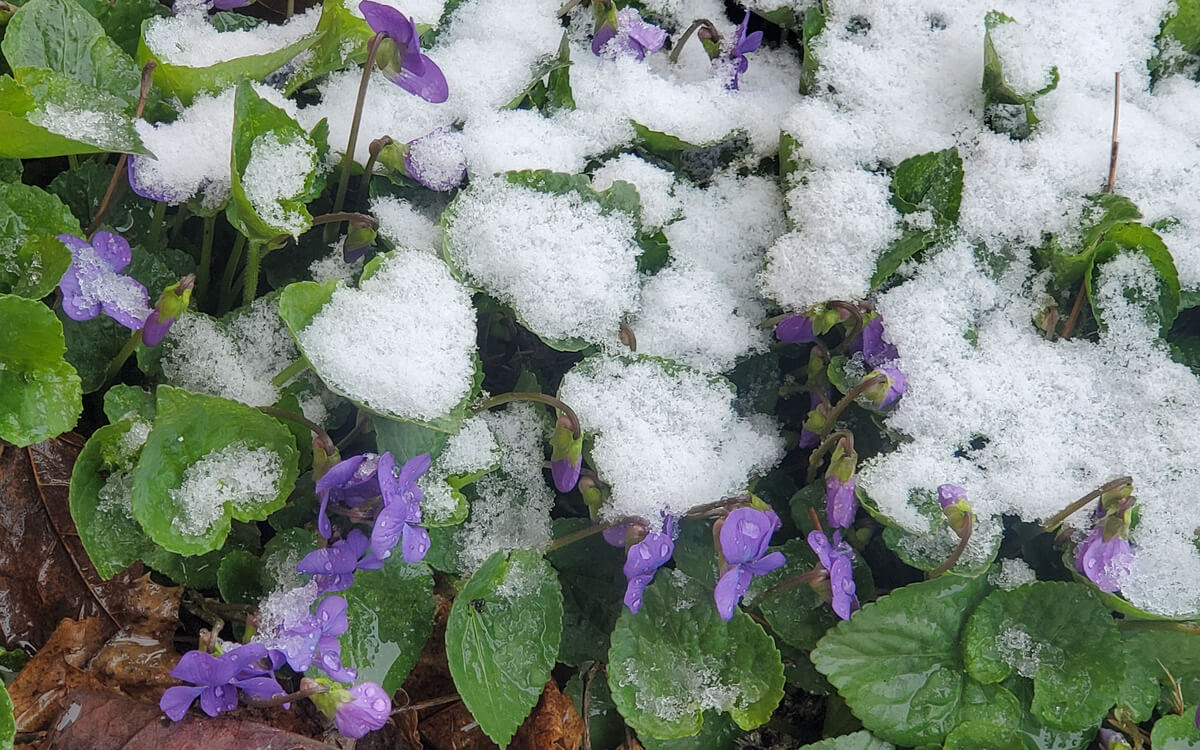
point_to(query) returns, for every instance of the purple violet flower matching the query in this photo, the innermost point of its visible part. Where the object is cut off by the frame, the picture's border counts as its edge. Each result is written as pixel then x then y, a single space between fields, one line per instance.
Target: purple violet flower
pixel 1102 559
pixel 333 567
pixel 352 481
pixel 400 517
pixel 615 535
pixel 889 390
pixel 315 637
pixel 841 504
pixel 643 560
pixel 93 283
pixel 742 45
pixel 837 558
pixel 400 59
pixel 230 4
pixel 171 304
pixel 876 351
pixel 566 455
pixel 798 329
pixel 744 536
pixel 217 679
pixel 631 37
pixel 367 710
pixel 1112 740
pixel 437 160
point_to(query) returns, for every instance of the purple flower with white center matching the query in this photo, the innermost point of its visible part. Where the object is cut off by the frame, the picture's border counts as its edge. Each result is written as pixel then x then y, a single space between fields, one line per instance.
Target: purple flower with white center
pixel 352 481
pixel 891 386
pixel 743 44
pixel 1102 560
pixel 367 709
pixel 631 37
pixel 93 283
pixel 400 517
pixel 643 560
pixel 333 567
pixel 836 559
pixel 744 536
pixel 217 679
pixel 437 160
pixel 798 329
pixel 399 55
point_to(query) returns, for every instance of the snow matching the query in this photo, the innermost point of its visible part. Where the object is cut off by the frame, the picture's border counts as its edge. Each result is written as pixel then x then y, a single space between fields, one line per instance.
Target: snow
pixel 1011 572
pixel 472 449
pixel 188 39
pixel 192 154
pixel 666 438
pixel 654 186
pixel 425 12
pixel 568 269
pixel 235 475
pixel 404 225
pixel 403 343
pixel 511 506
pixel 277 171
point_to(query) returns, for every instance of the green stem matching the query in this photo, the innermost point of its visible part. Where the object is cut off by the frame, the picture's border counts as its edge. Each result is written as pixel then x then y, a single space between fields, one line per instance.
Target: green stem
pixel 305 692
pixel 848 399
pixel 250 286
pixel 289 372
pixel 377 145
pixel 963 539
pixel 541 398
pixel 338 217
pixel 291 8
pixel 826 445
pixel 73 161
pixel 114 367
pixel 856 313
pixel 202 270
pixel 300 419
pixel 348 157
pixel 1056 520
pixel 156 225
pixel 790 582
pixel 575 536
pixel 696 25
pixel 230 273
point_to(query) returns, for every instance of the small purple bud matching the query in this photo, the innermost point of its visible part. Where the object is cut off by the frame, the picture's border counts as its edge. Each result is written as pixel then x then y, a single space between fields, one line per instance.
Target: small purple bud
pixel 888 391
pixel 566 455
pixel 798 329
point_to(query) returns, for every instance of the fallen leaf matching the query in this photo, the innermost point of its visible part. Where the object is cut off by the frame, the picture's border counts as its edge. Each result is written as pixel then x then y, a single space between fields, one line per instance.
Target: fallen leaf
pixel 139 657
pixel 40 689
pixel 553 725
pixel 101 721
pixel 45 574
pixel 453 728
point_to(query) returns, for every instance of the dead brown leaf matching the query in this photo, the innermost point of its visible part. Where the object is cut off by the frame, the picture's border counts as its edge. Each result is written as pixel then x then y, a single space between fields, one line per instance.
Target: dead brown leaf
pixel 54 671
pixel 45 574
pixel 453 728
pixel 553 725
pixel 100 721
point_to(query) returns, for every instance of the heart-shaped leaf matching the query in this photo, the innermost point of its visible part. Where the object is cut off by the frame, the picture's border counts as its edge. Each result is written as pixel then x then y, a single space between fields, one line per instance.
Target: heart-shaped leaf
pixel 40 395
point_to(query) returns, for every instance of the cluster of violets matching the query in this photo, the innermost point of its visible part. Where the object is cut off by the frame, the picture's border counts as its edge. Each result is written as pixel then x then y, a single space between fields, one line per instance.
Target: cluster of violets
pixel 94 284
pixel 361 487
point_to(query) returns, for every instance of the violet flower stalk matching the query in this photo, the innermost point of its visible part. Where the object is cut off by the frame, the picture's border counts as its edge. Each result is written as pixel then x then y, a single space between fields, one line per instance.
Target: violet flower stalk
pixel 836 558
pixel 217 679
pixel 743 44
pixel 93 282
pixel 399 55
pixel 623 33
pixel 744 536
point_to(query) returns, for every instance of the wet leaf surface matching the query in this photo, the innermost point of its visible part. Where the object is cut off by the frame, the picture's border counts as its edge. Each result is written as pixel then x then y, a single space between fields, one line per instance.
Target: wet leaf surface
pixel 45 574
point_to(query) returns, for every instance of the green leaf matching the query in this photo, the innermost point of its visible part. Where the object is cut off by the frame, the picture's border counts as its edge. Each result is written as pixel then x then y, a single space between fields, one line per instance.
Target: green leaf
pixel 188 429
pixel 897 661
pixel 677 657
pixel 1178 40
pixel 8 727
pixel 122 21
pixel 718 732
pixel 238 577
pixel 550 86
pixel 502 638
pixel 40 395
pixel 407 440
pixel 998 94
pixel 696 160
pixel 101 482
pixel 593 587
pixel 49 114
pixel 1137 238
pixel 341 41
pixel 258 124
pixel 932 182
pixel 83 188
pixel 1151 655
pixel 810 29
pixel 128 402
pixel 1175 732
pixel 11 170
pixel 32 258
pixel 1101 213
pixel 59 35
pixel 186 82
pixel 856 741
pixel 280 556
pixel 1060 635
pixel 391 617
pixel 898 253
pixel 797 615
pixel 200 571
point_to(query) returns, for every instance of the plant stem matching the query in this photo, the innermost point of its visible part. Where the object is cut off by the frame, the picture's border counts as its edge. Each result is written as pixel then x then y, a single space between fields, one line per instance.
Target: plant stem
pixel 289 372
pixel 72 161
pixel 541 398
pixel 1076 309
pixel 340 216
pixel 1112 156
pixel 696 26
pixel 156 225
pixel 958 551
pixel 856 313
pixel 790 582
pixel 291 8
pixel 230 273
pixel 348 157
pixel 114 367
pixel 377 145
pixel 1052 523
pixel 300 419
pixel 202 270
pixel 432 702
pixel 588 676
pixel 848 399
pixel 109 199
pixel 250 286
pixel 304 692
pixel 575 536
pixel 826 445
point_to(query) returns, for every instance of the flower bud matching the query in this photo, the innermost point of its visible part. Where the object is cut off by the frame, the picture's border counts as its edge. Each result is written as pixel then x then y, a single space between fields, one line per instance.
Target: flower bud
pixel 361 232
pixel 798 329
pixel 171 304
pixel 594 494
pixel 840 501
pixel 566 455
pixel 953 500
pixel 891 386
